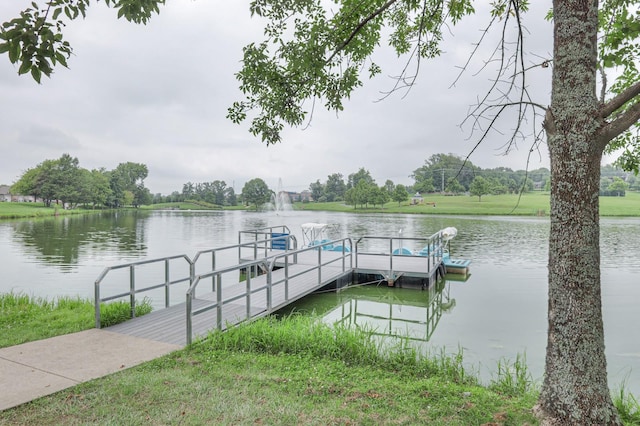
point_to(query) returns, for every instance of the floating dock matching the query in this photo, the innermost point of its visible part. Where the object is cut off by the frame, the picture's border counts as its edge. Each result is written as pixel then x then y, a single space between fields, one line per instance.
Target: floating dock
pixel 270 273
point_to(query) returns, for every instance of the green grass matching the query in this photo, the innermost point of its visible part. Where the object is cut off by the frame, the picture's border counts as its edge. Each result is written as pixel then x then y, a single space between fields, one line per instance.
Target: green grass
pixel 530 204
pixel 289 372
pixel 184 205
pixel 25 318
pixel 31 210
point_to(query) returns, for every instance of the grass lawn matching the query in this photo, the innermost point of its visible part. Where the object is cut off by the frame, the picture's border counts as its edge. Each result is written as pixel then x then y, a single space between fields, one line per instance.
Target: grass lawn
pixel 29 210
pixel 530 204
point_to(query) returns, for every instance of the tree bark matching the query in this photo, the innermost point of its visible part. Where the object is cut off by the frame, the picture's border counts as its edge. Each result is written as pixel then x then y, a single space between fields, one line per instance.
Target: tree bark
pixel 575 389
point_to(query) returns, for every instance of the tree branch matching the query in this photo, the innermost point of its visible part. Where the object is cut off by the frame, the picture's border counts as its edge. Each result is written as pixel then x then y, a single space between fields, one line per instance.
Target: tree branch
pixel 619 125
pixel 357 29
pixel 621 99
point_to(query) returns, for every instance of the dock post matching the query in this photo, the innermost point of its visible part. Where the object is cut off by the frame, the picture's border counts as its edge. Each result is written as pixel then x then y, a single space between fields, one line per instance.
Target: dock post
pixel 219 301
pixel 132 290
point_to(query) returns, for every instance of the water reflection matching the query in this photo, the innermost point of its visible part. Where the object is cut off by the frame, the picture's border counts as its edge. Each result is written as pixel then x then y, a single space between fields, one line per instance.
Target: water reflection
pixel 386 312
pixel 63 241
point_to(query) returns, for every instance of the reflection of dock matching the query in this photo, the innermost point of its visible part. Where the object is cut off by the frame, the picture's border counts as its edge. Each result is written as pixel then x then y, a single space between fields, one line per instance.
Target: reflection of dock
pixel 386 314
pixel 270 272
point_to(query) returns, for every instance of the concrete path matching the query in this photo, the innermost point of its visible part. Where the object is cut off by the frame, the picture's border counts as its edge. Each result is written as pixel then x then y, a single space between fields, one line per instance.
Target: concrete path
pixel 43 367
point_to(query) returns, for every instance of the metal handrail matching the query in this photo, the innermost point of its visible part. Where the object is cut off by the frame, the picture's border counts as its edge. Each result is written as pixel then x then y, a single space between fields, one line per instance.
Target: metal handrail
pixel 435 242
pixel 268 265
pixel 347 252
pixel 265 231
pixel 291 242
pixel 220 302
pixel 133 291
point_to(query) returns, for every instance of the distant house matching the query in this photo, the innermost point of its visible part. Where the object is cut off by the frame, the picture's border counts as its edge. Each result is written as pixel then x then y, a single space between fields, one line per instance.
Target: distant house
pixel 4 193
pixel 306 196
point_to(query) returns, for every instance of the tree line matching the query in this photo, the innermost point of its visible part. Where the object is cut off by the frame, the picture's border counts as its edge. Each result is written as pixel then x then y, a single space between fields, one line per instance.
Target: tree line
pixel 216 192
pixel 64 182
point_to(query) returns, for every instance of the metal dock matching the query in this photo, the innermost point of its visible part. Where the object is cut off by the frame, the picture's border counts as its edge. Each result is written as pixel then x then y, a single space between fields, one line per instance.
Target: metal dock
pixel 268 272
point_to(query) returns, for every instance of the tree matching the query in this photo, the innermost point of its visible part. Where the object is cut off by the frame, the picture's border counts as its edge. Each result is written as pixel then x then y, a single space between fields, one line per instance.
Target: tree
pixel 618 187
pixel 454 187
pixel 65 176
pixel 379 196
pixel 313 52
pixel 128 178
pixel 439 169
pixel 400 193
pixel 361 175
pixel 219 188
pixel 230 196
pixel 317 189
pixel 256 192
pixel 335 187
pixel 27 184
pixel 479 187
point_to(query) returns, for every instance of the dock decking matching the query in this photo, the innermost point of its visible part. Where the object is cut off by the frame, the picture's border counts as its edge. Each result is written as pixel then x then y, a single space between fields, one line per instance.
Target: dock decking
pixel 286 276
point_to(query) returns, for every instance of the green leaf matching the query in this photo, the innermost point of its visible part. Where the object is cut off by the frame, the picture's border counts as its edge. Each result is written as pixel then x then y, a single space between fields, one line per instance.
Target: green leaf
pixel 36 74
pixel 25 66
pixel 4 48
pixel 14 52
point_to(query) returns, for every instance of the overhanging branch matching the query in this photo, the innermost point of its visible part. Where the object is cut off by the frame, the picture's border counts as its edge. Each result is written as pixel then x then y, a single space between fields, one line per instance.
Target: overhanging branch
pixel 619 125
pixel 621 99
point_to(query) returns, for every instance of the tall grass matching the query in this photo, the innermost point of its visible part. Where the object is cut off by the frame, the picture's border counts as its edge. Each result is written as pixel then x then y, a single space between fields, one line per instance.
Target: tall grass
pixel 25 318
pixel 307 336
pixel 512 378
pixel 627 405
pixel 120 311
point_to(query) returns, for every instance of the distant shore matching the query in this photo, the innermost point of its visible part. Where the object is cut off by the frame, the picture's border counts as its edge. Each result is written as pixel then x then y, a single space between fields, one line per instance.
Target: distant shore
pixel 530 204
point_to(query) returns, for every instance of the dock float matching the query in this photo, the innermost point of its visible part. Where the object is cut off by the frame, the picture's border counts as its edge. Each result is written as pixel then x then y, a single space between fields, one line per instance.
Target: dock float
pixel 269 273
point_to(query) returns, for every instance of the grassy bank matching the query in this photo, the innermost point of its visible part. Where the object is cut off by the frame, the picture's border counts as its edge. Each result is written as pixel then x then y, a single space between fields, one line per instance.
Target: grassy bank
pixel 287 372
pixel 31 210
pixel 297 371
pixel 530 204
pixel 24 318
pixel 184 205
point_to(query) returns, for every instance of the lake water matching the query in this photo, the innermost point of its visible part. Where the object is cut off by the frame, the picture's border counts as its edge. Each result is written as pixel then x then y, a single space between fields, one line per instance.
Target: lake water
pixel 497 313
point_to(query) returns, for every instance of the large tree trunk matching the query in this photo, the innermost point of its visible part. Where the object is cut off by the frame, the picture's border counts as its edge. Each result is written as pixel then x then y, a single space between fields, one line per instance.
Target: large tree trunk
pixel 575 389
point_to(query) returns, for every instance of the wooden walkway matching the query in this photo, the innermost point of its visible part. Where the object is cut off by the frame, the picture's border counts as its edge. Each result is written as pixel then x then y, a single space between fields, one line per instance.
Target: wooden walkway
pixel 169 325
pixel 234 301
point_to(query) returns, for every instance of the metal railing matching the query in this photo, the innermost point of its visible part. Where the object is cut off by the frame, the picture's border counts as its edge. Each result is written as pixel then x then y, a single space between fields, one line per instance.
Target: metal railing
pixel 257 247
pixel 267 238
pixel 269 265
pixel 432 248
pixel 134 289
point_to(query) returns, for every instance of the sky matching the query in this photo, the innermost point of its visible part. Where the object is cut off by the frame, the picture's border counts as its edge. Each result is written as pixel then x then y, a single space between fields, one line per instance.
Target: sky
pixel 158 95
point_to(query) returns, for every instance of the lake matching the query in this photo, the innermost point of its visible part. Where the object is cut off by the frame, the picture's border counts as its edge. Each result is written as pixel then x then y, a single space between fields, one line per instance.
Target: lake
pixel 496 314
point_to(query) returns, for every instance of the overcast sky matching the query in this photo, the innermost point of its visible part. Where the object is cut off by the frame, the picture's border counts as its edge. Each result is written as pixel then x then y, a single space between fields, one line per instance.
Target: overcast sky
pixel 158 94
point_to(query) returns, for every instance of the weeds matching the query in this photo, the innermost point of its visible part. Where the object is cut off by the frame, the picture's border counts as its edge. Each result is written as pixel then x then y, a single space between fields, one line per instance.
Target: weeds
pixel 513 378
pixel 25 318
pixel 627 405
pixel 120 311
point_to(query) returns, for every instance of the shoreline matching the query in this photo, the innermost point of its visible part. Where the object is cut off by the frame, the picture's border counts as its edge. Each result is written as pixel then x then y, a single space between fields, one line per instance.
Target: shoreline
pixel 528 205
